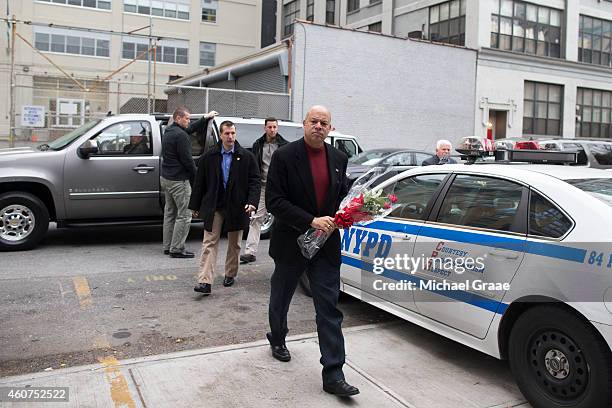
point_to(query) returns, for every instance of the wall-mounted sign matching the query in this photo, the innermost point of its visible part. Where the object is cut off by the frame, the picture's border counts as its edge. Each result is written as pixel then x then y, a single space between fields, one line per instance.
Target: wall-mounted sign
pixel 32 116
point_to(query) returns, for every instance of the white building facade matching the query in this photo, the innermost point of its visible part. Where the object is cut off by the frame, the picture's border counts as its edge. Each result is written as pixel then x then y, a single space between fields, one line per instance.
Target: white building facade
pixel 543 66
pixel 92 40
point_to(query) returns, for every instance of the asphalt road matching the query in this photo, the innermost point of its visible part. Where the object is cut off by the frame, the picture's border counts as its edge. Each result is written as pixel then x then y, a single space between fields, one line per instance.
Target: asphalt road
pixel 87 293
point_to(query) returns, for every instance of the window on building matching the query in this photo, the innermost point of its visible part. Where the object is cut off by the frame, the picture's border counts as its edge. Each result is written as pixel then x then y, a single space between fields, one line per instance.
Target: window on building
pixel 330 12
pixel 594 39
pixel 209 11
pixel 542 109
pixel 291 11
pixel 170 51
pixel 310 10
pixel 159 8
pixel 100 4
pixel 375 27
pixel 207 54
pixel 352 5
pixel 67 41
pixel 447 22
pixel 528 28
pixel 593 110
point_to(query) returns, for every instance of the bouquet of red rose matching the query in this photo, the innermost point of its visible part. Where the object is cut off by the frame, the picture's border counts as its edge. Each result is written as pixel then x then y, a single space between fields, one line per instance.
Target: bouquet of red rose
pixel 356 208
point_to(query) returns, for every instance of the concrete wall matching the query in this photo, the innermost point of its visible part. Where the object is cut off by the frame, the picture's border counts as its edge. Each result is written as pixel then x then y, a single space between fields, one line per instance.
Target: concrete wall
pixel 386 91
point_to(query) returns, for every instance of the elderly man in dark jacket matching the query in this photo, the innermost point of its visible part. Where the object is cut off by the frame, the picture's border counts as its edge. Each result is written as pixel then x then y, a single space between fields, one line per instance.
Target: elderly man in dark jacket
pixel 226 190
pixel 177 169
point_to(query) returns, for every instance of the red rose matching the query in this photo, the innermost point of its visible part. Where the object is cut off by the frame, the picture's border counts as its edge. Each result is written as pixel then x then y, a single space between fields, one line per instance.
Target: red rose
pixel 387 205
pixel 393 198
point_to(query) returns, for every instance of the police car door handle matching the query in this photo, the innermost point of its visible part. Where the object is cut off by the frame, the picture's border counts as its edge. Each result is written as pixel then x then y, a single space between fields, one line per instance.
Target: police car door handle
pixel 406 237
pixel 504 253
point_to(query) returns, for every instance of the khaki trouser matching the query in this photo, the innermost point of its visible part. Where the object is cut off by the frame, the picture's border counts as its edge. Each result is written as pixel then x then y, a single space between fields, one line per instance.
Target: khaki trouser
pixel 252 241
pixel 210 244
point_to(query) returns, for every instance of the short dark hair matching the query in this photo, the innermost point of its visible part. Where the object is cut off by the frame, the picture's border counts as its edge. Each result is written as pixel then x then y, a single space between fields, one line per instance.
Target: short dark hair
pixel 270 119
pixel 180 112
pixel 224 124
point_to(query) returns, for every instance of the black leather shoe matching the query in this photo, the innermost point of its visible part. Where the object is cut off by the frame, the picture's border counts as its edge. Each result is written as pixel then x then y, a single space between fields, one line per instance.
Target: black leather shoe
pixel 246 258
pixel 203 288
pixel 184 254
pixel 227 281
pixel 341 388
pixel 166 252
pixel 281 353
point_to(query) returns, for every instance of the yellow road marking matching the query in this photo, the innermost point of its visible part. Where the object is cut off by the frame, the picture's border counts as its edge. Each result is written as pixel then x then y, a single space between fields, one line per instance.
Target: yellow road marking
pixel 120 393
pixel 82 290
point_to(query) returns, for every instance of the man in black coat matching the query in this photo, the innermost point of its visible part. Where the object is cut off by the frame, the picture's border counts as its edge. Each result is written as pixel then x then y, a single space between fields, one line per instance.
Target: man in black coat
pixel 263 149
pixel 226 190
pixel 306 183
pixel 177 169
pixel 443 150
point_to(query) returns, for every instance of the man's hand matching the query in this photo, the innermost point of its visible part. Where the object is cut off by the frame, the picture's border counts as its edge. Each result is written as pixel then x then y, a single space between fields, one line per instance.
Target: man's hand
pixel 323 223
pixel 211 114
pixel 195 213
pixel 249 208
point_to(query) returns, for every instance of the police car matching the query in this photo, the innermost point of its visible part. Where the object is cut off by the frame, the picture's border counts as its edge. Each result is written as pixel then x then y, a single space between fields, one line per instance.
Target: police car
pixel 514 260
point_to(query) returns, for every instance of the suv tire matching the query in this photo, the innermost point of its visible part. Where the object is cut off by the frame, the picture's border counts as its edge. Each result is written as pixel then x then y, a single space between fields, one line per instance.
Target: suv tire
pixel 24 221
pixel 559 360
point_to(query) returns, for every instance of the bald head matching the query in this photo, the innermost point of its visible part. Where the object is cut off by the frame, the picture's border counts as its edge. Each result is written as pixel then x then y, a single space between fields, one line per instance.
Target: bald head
pixel 317 126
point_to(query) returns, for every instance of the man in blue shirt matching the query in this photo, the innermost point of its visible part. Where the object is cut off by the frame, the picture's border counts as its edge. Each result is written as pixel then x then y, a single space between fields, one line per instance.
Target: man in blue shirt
pixel 226 191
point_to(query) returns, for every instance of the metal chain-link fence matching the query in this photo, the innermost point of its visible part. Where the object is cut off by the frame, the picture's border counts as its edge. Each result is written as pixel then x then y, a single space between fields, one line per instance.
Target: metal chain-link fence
pixel 47 107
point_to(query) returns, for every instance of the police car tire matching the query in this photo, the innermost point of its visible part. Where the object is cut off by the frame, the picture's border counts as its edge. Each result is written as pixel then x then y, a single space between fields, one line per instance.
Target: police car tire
pixel 590 351
pixel 35 209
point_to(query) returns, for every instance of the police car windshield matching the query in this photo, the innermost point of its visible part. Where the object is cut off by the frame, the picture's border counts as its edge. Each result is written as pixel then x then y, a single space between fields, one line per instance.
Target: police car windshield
pixel 598 188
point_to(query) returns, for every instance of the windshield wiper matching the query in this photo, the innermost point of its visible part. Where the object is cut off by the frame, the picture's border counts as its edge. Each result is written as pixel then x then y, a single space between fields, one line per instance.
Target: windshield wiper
pixel 43 147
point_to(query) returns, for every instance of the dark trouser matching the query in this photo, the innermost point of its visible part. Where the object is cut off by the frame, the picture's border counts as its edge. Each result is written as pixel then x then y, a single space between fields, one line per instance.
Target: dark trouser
pixel 325 287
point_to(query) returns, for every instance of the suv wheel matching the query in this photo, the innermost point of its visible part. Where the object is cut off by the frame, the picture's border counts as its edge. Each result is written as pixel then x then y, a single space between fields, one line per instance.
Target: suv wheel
pixel 24 220
pixel 560 361
pixel 266 226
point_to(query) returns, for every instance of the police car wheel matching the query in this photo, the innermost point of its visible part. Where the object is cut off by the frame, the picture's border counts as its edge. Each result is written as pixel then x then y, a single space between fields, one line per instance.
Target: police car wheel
pixel 560 361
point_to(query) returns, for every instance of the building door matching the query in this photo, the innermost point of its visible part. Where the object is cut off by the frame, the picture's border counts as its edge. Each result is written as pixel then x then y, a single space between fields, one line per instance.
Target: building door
pixel 499 122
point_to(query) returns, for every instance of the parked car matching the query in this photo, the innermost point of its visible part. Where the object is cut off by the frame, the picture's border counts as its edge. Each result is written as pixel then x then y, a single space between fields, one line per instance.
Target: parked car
pixel 539 292
pixel 596 153
pixel 362 163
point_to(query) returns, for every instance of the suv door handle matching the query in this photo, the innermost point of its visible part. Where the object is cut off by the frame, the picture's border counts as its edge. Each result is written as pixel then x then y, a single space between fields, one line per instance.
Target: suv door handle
pixel 143 169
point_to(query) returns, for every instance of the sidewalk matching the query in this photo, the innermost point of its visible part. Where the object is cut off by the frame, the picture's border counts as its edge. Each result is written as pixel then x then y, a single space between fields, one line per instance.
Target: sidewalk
pixel 394 365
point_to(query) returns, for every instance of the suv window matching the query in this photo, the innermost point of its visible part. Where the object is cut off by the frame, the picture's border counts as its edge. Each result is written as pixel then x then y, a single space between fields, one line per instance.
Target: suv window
pixel 133 138
pixel 545 219
pixel 413 195
pixel 602 153
pixel 346 146
pixel 482 202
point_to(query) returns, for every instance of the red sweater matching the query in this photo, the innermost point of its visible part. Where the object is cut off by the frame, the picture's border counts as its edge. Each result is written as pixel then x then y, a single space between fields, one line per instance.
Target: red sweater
pixel 320 175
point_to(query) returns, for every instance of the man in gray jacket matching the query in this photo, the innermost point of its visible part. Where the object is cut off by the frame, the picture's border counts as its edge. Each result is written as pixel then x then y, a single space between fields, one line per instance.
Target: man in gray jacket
pixel 177 170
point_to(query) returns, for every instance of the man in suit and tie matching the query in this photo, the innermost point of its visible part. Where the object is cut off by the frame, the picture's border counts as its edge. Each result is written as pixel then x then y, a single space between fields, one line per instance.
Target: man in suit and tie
pixel 306 182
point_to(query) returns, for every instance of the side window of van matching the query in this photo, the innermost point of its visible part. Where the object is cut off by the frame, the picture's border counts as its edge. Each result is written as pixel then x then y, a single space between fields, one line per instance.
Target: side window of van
pixel 346 146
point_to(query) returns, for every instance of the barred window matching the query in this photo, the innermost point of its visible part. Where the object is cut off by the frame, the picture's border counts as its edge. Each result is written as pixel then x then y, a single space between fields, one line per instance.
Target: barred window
pixel 593 107
pixel 542 109
pixel 352 5
pixel 159 8
pixel 594 38
pixel 99 4
pixel 207 54
pixel 527 28
pixel 330 11
pixel 67 41
pixel 447 22
pixel 209 10
pixel 291 11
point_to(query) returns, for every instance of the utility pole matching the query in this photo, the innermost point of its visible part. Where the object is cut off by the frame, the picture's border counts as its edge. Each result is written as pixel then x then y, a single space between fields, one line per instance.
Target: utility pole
pixel 12 86
pixel 149 66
